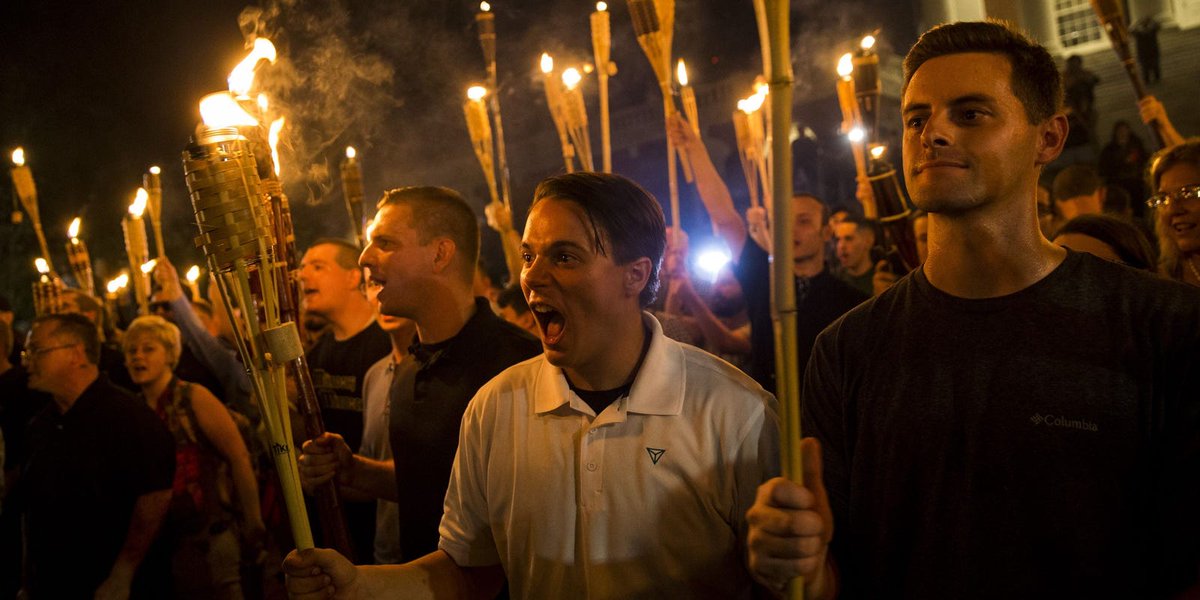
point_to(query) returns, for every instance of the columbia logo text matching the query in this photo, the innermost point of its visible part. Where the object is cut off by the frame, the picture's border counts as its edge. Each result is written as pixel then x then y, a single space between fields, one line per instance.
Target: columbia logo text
pixel 1057 421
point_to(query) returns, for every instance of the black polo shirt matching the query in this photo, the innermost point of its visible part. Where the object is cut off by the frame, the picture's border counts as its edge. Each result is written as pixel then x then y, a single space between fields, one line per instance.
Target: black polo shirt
pixel 86 469
pixel 820 300
pixel 429 393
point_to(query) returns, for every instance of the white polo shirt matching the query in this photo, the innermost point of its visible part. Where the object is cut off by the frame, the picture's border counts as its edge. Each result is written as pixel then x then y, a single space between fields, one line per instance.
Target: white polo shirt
pixel 648 499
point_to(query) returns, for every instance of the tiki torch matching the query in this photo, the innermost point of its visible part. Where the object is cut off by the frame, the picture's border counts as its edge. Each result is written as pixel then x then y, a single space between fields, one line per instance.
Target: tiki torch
pixel 1113 18
pixel 236 237
pixel 480 130
pixel 654 24
pixel 80 260
pixel 746 152
pixel 554 103
pixel 575 117
pixel 152 182
pixel 894 212
pixel 112 295
pixel 688 96
pixel 866 87
pixel 852 123
pixel 485 20
pixel 22 178
pixel 137 248
pixel 353 191
pixel 193 281
pixel 605 68
pixel 47 290
pixel 752 108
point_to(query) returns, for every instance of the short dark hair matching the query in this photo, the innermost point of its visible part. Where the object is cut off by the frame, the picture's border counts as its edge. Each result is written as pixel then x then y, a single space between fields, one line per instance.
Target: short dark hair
pixel 621 213
pixel 347 252
pixel 1035 79
pixel 78 327
pixel 1125 238
pixel 512 297
pixel 441 212
pixel 826 211
pixel 1075 181
pixel 863 224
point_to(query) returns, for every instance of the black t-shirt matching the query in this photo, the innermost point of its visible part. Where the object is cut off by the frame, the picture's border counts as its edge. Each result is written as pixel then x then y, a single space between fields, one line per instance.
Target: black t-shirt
pixel 86 469
pixel 819 301
pixel 1042 444
pixel 337 370
pixel 428 397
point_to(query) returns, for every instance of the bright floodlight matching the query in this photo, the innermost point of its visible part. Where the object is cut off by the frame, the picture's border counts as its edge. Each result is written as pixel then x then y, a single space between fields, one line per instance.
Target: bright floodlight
pixel 857 135
pixel 712 261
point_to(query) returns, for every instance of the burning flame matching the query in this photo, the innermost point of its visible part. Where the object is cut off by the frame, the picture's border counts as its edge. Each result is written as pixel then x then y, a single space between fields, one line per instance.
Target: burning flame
pixel 221 110
pixel 601 6
pixel 547 68
pixel 761 88
pixel 273 141
pixel 73 229
pixel 476 92
pixel 868 42
pixel 856 135
pixel 18 157
pixel 485 7
pixel 147 267
pixel 877 151
pixel 845 65
pixel 263 103
pixel 113 285
pixel 242 76
pixel 571 78
pixel 193 274
pixel 751 104
pixel 155 170
pixel 681 73
pixel 351 152
pixel 43 267
pixel 139 203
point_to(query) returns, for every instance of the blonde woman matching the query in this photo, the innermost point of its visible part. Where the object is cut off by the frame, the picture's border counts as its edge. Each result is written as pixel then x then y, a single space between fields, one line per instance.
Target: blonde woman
pixel 197 535
pixel 1175 181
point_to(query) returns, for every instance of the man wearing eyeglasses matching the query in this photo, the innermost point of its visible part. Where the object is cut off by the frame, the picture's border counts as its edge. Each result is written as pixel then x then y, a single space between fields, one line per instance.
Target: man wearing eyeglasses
pixel 98 479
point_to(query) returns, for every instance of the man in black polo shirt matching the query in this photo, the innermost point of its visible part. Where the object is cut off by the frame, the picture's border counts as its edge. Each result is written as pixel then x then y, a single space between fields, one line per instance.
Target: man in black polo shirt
pixel 424 245
pixel 820 297
pixel 98 479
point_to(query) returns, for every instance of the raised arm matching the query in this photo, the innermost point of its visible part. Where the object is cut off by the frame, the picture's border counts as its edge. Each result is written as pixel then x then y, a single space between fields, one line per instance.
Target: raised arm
pixel 712 189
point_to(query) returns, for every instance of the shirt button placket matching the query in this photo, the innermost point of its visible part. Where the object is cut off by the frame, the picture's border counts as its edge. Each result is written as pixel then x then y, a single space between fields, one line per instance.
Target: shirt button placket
pixel 592 462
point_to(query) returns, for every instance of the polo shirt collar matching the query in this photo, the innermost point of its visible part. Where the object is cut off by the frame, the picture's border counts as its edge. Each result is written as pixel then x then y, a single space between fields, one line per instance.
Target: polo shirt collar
pixel 657 387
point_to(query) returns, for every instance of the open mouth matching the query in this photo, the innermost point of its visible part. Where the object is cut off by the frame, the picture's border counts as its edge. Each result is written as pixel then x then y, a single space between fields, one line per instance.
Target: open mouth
pixel 550 321
pixel 1182 227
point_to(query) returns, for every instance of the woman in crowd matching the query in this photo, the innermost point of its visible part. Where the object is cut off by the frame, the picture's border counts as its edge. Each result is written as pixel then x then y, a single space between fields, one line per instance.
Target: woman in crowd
pixel 1108 237
pixel 198 535
pixel 1175 180
pixel 1122 161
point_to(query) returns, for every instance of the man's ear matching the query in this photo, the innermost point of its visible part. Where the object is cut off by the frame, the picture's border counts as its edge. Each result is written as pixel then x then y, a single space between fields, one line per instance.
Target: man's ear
pixel 444 252
pixel 1052 135
pixel 637 276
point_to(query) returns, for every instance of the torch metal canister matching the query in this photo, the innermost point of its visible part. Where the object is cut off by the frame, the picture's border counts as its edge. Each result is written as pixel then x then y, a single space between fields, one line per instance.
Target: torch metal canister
pixel 47 295
pixel 866 91
pixel 81 265
pixel 352 189
pixel 894 213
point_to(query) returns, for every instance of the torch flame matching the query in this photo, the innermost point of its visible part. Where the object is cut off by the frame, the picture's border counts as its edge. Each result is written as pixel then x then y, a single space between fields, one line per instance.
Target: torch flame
pixel 122 280
pixel 263 103
pixel 856 135
pixel 139 203
pixel 868 42
pixel 681 73
pixel 751 104
pixel 73 229
pixel 147 267
pixel 761 88
pixel 485 7
pixel 155 170
pixel 601 6
pixel 113 285
pixel 221 110
pixel 877 152
pixel 193 274
pixel 351 152
pixel 547 68
pixel 242 76
pixel 571 78
pixel 43 267
pixel 273 141
pixel 18 157
pixel 845 65
pixel 476 92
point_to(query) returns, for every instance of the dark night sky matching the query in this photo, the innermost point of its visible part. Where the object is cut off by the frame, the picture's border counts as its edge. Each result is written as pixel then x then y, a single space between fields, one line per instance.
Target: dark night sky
pixel 97 94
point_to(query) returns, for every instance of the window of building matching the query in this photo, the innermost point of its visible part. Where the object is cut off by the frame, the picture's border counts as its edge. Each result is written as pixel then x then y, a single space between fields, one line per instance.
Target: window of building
pixel 1076 23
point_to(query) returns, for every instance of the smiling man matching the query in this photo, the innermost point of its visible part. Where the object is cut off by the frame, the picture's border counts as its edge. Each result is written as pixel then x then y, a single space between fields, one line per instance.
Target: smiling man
pixel 1012 419
pixel 619 464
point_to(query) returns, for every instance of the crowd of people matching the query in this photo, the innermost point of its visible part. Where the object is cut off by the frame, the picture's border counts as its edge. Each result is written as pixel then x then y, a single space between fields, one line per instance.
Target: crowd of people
pixel 1015 417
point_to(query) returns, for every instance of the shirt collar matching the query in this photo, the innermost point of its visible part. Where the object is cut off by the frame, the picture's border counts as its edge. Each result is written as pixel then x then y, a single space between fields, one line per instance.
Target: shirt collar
pixel 657 387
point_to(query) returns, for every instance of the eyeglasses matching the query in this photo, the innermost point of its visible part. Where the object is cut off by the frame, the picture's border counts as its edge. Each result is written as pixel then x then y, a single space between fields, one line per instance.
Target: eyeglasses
pixel 1187 192
pixel 30 354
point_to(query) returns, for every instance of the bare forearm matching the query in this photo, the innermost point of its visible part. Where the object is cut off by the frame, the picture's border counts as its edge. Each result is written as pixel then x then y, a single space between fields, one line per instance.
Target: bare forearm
pixel 371 480
pixel 148 513
pixel 718 201
pixel 433 576
pixel 715 332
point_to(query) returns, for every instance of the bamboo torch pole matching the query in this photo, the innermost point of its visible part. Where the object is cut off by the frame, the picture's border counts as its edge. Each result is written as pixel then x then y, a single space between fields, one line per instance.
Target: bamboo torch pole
pixel 137 249
pixel 79 258
pixel 1111 15
pixel 601 47
pixel 554 103
pixel 783 279
pixel 22 178
pixel 575 117
pixel 654 24
pixel 152 182
pixel 485 20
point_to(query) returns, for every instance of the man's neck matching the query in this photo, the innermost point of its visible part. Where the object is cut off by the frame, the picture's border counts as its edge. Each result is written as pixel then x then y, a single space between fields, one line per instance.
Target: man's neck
pixel 401 339
pixel 353 317
pixel 809 266
pixel 73 387
pixel 445 315
pixel 619 363
pixel 858 269
pixel 987 253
